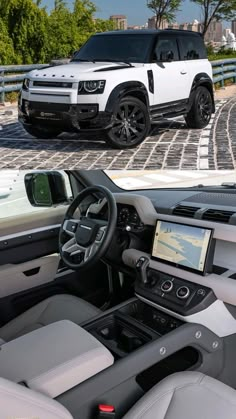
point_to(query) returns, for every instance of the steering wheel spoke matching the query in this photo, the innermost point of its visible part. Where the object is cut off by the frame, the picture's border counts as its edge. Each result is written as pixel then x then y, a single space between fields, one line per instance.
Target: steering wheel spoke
pixel 72 247
pixel 88 236
pixel 69 226
pixel 93 248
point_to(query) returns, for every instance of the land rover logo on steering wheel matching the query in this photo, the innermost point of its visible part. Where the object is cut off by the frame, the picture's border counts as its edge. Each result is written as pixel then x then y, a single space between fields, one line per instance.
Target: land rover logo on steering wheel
pixel 46 114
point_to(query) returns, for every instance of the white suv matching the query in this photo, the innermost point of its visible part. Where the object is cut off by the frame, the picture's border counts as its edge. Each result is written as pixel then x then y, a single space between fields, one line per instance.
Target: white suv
pixel 122 82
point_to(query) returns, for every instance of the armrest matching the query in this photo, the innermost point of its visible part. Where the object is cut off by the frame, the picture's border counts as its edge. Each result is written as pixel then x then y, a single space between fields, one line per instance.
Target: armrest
pixel 54 358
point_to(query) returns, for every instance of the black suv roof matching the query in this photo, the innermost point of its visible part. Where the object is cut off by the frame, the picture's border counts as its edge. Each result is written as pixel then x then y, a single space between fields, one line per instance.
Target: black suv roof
pixel 150 32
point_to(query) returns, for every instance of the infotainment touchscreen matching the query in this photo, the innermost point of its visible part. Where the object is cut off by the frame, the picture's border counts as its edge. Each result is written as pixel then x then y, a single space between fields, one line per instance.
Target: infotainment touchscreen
pixel 184 246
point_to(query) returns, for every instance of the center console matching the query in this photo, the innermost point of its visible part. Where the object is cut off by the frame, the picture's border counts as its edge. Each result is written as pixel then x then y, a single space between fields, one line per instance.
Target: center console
pixel 148 345
pixel 132 326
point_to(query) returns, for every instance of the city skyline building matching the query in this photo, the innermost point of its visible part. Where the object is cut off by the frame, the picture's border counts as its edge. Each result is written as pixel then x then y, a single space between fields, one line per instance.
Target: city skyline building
pixel 120 21
pixel 233 27
pixel 214 32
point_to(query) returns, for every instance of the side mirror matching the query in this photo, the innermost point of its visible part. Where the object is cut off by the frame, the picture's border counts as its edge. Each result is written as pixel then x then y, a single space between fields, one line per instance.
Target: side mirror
pixel 46 189
pixel 167 56
pixel 74 54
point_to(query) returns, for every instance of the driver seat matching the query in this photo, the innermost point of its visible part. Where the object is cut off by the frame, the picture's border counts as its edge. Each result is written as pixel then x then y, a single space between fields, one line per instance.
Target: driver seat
pixel 53 309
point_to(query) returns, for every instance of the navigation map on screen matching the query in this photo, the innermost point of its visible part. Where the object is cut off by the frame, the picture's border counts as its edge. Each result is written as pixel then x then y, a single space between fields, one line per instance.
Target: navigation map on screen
pixel 181 244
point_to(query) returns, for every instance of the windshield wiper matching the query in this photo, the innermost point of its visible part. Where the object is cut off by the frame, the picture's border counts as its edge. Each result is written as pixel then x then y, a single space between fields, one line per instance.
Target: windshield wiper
pixel 84 61
pixel 230 185
pixel 226 185
pixel 107 60
pixel 126 62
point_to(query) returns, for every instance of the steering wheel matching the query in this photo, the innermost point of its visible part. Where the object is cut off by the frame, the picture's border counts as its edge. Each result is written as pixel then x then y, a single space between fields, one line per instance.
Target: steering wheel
pixel 83 240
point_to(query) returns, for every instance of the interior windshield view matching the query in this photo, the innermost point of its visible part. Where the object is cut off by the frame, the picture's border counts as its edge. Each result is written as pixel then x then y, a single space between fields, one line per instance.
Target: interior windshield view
pixel 117 302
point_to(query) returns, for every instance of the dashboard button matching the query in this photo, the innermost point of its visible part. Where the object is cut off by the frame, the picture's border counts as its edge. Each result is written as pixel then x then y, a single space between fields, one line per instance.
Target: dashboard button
pixel 201 292
pixel 183 292
pixel 167 286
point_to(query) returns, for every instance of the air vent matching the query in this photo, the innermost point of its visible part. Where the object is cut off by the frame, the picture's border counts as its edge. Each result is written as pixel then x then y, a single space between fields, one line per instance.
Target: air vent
pixel 185 211
pixel 218 216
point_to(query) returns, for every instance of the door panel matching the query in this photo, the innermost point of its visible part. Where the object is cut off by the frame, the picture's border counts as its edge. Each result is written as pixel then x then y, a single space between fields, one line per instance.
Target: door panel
pixel 29 265
pixel 24 276
pixel 34 220
pixel 171 79
pixel 29 245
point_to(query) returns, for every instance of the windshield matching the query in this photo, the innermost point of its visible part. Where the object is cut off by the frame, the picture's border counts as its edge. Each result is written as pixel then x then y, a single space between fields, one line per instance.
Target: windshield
pixel 139 179
pixel 130 48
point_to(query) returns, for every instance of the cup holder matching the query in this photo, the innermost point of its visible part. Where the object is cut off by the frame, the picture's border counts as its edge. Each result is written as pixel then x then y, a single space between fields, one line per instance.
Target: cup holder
pixel 120 335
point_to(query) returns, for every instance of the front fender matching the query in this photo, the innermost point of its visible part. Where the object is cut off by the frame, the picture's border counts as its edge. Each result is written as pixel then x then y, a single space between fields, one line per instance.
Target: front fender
pixel 131 88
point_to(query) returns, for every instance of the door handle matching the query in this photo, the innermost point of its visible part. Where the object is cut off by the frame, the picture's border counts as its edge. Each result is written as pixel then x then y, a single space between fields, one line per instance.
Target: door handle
pixel 183 72
pixel 31 272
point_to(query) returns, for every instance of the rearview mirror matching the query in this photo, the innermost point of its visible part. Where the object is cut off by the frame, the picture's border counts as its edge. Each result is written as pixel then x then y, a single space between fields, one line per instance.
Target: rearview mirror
pixel 167 56
pixel 45 189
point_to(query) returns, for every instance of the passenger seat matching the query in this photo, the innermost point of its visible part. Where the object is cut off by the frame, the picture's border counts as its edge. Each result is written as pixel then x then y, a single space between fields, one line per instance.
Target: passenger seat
pixel 187 395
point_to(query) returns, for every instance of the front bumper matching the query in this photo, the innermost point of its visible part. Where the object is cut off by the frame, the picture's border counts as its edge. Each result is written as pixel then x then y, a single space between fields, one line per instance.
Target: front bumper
pixel 64 116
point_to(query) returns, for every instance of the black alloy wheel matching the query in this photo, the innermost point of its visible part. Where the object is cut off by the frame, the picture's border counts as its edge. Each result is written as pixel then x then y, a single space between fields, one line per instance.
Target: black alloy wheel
pixel 130 124
pixel 200 113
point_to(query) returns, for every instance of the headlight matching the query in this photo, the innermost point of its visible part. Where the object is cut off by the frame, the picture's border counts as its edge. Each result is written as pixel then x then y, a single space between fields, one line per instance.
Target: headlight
pixel 25 85
pixel 91 87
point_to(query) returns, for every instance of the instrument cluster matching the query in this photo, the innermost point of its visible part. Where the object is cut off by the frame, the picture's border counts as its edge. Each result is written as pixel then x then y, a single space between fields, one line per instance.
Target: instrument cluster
pixel 128 218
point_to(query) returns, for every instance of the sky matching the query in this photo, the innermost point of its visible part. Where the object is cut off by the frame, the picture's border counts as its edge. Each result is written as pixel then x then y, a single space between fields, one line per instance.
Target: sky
pixel 136 10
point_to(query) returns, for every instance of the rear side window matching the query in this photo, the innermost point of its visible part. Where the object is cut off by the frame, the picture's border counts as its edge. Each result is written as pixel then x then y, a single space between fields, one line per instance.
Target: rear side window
pixel 166 44
pixel 192 48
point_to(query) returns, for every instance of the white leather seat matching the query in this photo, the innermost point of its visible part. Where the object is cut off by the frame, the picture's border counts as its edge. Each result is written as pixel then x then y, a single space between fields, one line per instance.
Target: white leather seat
pixel 188 395
pixel 56 308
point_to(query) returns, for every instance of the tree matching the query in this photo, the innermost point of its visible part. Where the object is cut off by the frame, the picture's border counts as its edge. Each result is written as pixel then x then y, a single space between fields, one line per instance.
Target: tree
pixel 216 10
pixel 62 33
pixel 164 10
pixel 60 4
pixel 102 25
pixel 26 24
pixel 7 55
pixel 29 34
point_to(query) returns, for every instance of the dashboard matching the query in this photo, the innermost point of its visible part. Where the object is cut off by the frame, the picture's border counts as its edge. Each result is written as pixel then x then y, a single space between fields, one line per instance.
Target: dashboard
pixel 186 294
pixel 138 213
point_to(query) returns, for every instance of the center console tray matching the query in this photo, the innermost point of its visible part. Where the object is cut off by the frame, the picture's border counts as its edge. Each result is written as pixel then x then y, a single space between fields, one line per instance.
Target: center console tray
pixel 119 334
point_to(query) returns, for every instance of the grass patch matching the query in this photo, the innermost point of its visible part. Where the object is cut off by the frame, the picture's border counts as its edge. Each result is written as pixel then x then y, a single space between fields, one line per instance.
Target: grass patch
pixel 215 57
pixel 11 97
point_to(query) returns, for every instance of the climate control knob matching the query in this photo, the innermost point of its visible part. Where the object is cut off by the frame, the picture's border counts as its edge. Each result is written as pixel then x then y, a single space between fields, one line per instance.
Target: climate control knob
pixel 183 292
pixel 167 286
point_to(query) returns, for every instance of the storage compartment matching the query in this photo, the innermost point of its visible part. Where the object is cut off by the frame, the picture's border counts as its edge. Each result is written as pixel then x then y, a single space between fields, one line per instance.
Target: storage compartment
pixel 130 327
pixel 182 360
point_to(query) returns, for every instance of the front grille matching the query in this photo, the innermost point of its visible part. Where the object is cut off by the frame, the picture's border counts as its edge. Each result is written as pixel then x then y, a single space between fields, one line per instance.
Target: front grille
pixel 59 84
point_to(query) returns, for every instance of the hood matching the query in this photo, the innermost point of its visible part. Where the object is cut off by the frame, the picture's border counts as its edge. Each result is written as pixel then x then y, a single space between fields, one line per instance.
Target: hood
pixel 74 70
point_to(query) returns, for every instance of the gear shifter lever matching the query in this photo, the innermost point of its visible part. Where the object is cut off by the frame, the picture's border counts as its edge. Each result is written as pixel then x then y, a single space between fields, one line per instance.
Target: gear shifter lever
pixel 141 269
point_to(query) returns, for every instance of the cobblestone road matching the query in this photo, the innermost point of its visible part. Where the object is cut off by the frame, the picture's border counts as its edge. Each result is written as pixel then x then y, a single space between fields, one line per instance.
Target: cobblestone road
pixel 170 146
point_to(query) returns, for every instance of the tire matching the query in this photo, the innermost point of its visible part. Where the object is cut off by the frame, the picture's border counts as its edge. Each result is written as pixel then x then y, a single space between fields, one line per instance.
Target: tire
pixel 202 108
pixel 130 124
pixel 41 133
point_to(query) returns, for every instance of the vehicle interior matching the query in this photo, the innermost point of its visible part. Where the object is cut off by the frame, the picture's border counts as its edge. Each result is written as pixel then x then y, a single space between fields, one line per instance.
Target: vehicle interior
pixel 116 303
